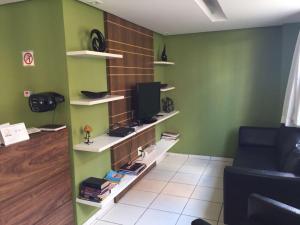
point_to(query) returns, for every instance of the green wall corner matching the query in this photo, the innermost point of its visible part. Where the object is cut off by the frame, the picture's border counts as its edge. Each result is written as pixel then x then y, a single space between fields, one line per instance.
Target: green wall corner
pixel 223 80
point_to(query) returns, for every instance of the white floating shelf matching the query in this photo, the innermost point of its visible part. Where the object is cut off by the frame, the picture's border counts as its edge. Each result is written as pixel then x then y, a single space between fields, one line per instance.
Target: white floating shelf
pixel 167 89
pixel 90 102
pixel 159 150
pixel 105 141
pixel 163 63
pixel 93 54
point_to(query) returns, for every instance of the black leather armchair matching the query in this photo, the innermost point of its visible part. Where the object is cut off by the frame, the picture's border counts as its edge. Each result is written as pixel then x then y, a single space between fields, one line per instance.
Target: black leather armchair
pixel 266 211
pixel 267 162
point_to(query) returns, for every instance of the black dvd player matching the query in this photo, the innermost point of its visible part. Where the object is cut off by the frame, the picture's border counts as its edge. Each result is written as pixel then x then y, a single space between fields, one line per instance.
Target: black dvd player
pixel 121 131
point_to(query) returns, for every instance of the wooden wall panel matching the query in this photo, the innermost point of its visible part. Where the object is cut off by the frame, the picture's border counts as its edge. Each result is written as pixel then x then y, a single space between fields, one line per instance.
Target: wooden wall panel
pixel 35 181
pixel 135 43
pixel 62 215
pixel 34 204
pixel 27 164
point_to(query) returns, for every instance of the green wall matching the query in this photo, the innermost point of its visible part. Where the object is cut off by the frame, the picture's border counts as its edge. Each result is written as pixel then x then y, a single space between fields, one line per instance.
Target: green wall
pixel 159 75
pixel 223 80
pixel 31 25
pixel 85 74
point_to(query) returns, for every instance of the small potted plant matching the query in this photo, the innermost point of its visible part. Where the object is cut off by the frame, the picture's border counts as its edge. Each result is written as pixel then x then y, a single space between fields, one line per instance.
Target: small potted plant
pixel 87 130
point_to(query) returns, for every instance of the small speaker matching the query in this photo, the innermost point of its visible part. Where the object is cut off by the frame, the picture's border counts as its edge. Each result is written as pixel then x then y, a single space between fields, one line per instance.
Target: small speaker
pixel 97 41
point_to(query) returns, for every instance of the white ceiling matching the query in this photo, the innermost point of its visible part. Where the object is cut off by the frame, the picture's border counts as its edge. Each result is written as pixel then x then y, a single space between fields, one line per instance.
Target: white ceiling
pixel 185 16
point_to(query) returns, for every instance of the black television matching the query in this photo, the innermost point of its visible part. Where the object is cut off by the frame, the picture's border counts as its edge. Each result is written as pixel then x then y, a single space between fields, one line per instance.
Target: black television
pixel 147 101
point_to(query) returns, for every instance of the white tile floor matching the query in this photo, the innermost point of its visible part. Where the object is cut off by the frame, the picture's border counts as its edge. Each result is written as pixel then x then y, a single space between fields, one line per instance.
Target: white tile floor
pixel 179 190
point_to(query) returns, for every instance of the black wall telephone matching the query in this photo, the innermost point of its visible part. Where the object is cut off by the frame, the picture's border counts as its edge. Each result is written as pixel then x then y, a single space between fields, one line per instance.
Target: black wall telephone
pixel 44 102
pixel 167 105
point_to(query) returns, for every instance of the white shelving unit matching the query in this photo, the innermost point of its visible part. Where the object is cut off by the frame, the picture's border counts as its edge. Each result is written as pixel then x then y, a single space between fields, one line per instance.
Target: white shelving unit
pixel 159 150
pixel 93 54
pixel 90 102
pixel 163 63
pixel 105 141
pixel 167 89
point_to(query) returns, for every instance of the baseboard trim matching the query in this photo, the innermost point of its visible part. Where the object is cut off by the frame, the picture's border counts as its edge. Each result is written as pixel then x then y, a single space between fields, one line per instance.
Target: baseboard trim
pixel 213 158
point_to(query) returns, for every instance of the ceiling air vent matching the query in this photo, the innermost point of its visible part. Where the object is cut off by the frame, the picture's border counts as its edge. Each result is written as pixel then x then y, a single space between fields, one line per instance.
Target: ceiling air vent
pixel 212 9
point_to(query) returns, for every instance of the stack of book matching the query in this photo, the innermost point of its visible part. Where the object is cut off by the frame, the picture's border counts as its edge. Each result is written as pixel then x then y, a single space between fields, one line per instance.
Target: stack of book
pixel 94 189
pixel 132 169
pixel 170 136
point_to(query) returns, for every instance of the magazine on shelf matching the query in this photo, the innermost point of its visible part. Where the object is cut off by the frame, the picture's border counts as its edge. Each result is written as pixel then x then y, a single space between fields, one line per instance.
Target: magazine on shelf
pixel 114 176
pixel 132 169
pixel 170 136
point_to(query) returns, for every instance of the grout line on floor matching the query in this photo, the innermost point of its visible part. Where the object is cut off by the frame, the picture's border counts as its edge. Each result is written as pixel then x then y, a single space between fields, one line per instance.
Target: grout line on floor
pixel 176 171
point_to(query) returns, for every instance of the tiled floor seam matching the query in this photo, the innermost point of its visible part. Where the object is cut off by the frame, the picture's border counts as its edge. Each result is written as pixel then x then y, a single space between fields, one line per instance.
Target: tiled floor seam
pixel 148 207
pixel 168 181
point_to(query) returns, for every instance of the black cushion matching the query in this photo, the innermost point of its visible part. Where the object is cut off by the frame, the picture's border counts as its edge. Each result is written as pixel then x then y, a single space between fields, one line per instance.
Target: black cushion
pixel 254 136
pixel 292 162
pixel 261 158
pixel 200 222
pixel 288 138
pixel 252 223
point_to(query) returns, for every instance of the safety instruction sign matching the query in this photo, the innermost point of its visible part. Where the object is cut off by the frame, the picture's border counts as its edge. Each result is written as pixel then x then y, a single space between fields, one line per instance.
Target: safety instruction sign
pixel 28 58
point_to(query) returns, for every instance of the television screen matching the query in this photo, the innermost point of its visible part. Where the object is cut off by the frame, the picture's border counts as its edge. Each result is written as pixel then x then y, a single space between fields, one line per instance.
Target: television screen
pixel 147 101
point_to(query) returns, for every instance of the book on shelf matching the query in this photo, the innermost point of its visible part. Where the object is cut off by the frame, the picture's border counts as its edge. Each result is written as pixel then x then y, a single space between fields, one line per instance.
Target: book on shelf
pixel 114 177
pixel 94 189
pixel 170 135
pixel 94 198
pixel 132 169
pixel 97 183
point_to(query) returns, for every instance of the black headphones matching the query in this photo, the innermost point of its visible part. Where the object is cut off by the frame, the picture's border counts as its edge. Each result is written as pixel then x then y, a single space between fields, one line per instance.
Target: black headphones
pixel 97 41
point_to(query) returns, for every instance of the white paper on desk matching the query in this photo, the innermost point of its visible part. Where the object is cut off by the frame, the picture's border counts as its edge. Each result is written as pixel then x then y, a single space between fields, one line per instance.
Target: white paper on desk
pixel 2 126
pixel 13 134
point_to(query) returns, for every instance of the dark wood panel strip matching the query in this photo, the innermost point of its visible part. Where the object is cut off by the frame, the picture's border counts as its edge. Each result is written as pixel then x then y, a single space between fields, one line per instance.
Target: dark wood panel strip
pixel 121 106
pixel 129 52
pixel 133 151
pixel 119 20
pixel 119 70
pixel 137 61
pixel 131 111
pixel 125 90
pixel 116 46
pixel 128 82
pixel 136 67
pixel 111 75
pixel 134 46
pixel 131 67
pixel 128 28
pixel 134 137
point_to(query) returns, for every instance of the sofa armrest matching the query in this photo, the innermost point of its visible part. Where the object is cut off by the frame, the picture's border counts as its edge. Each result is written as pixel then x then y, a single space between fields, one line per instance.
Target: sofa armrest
pixel 240 183
pixel 258 136
pixel 268 211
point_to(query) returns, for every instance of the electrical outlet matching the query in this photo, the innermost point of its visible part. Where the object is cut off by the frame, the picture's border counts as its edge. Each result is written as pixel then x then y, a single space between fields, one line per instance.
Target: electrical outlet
pixel 27 93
